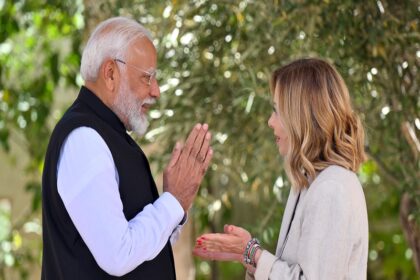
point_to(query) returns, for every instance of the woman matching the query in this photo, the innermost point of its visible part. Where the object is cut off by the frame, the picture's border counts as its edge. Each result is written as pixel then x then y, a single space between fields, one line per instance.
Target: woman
pixel 324 231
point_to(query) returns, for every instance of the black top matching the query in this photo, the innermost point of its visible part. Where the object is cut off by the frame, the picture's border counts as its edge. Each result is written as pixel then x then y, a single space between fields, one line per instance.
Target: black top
pixel 65 255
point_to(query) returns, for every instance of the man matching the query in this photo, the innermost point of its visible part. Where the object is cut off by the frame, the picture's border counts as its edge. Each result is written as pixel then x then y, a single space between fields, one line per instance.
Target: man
pixel 102 215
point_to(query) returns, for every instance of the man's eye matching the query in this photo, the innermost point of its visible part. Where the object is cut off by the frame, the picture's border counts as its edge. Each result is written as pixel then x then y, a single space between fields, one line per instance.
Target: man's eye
pixel 145 78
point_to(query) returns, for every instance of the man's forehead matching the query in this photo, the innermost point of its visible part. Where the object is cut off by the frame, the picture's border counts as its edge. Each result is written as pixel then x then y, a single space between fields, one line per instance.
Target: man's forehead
pixel 143 54
pixel 142 47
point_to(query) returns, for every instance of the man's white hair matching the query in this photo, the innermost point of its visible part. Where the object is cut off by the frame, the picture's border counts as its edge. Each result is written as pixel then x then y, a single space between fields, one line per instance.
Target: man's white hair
pixel 110 39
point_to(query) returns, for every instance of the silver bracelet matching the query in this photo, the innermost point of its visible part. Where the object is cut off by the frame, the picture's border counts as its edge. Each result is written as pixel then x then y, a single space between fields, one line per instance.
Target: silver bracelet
pixel 251 249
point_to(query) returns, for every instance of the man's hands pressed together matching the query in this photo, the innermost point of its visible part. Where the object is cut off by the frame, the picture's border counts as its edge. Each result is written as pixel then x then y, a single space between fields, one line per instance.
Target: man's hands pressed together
pixel 185 171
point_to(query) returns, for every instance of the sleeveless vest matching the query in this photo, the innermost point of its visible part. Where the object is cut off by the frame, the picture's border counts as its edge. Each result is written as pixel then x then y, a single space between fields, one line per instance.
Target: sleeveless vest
pixel 65 255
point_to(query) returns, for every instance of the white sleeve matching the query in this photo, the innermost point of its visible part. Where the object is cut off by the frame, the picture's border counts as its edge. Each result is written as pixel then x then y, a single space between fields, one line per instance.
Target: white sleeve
pixel 177 231
pixel 87 182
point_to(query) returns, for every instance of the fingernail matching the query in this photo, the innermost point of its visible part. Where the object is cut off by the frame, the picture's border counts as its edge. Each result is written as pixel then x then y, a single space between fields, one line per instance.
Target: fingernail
pixel 205 126
pixel 198 126
pixel 177 145
pixel 203 238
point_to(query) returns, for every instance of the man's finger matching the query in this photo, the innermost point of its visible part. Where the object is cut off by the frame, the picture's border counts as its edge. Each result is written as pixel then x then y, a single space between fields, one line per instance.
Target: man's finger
pixel 198 142
pixel 175 154
pixel 190 140
pixel 204 148
pixel 207 160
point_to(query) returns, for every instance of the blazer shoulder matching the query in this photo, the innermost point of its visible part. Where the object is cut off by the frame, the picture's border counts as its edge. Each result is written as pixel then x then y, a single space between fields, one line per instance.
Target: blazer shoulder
pixel 335 181
pixel 337 175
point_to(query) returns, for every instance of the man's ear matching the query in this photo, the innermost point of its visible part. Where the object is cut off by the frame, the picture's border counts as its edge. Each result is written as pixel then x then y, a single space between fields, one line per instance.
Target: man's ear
pixel 110 74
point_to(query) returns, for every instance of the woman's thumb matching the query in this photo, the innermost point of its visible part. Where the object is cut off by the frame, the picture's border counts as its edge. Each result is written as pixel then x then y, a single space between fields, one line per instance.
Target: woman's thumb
pixel 238 231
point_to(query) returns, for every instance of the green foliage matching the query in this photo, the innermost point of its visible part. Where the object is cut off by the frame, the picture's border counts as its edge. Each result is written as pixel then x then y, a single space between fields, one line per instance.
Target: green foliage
pixel 39 53
pixel 215 59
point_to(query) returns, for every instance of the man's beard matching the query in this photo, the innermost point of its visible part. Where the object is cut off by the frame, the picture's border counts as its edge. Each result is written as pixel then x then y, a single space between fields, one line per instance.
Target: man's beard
pixel 128 105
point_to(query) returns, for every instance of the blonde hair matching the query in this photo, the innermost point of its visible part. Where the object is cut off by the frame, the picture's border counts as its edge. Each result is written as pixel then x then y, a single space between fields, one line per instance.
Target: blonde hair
pixel 322 128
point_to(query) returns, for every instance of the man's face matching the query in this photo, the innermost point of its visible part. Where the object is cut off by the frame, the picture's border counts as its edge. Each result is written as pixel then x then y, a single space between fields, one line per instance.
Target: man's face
pixel 138 88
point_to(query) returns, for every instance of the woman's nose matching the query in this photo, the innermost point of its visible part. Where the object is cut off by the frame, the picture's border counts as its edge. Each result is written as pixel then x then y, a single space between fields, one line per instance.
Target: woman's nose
pixel 270 121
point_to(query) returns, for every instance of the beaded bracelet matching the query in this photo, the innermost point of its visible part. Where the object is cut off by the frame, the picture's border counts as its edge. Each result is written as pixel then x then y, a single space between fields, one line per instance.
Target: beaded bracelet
pixel 251 249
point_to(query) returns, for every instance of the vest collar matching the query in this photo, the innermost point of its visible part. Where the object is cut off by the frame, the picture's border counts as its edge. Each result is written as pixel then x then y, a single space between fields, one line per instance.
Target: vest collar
pixel 100 109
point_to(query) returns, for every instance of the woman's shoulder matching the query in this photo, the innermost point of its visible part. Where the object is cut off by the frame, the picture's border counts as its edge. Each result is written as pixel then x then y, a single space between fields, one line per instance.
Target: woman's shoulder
pixel 336 180
pixel 338 174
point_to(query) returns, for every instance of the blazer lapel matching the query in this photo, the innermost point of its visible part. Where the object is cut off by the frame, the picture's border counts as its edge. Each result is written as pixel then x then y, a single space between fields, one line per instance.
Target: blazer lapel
pixel 287 219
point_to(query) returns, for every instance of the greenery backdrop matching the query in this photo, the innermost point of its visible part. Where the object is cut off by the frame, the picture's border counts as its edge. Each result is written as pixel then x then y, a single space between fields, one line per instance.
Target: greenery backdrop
pixel 215 59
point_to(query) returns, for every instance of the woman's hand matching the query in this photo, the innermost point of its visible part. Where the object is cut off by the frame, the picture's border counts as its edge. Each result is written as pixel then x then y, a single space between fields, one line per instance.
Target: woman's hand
pixel 233 241
pixel 219 256
pixel 228 246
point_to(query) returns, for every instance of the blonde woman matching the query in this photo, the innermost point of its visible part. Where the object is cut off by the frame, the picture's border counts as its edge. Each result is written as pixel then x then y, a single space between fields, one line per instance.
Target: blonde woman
pixel 324 231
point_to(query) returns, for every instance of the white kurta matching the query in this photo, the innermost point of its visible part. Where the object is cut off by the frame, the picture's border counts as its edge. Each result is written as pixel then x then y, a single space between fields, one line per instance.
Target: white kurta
pixel 87 182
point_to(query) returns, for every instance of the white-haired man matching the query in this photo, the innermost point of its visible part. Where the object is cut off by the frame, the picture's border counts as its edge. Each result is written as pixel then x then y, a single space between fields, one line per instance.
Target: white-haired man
pixel 102 215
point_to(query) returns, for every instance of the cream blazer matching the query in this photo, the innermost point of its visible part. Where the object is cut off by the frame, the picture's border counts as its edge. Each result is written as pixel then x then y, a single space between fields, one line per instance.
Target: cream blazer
pixel 328 237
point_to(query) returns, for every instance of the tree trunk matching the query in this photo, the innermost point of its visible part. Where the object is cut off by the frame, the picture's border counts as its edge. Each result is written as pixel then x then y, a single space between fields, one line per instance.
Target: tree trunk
pixel 95 12
pixel 410 228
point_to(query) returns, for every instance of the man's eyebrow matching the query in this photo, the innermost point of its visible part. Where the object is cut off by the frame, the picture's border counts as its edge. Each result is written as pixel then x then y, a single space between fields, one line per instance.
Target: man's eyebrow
pixel 151 70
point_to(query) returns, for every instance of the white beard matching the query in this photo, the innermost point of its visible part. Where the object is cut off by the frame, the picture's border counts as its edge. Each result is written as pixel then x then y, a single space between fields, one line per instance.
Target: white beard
pixel 128 105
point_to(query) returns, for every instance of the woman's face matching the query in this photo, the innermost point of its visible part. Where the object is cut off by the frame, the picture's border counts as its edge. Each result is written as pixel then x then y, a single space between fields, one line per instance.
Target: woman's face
pixel 276 123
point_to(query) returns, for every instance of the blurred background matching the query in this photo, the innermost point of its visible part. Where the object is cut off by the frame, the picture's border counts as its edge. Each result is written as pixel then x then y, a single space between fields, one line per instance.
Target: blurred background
pixel 215 60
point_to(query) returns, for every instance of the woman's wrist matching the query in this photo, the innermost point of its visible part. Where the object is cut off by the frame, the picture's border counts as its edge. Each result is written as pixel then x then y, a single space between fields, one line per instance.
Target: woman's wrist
pixel 258 255
pixel 251 250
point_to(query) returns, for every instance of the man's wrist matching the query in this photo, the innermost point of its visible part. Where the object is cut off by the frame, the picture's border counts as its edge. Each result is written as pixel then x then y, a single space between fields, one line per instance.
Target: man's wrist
pixel 184 219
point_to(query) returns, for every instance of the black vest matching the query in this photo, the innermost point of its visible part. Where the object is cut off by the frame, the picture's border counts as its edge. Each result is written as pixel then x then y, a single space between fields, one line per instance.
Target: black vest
pixel 65 255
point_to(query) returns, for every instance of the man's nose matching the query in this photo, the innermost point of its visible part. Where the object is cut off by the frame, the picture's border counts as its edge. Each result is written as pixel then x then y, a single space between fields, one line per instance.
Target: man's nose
pixel 154 89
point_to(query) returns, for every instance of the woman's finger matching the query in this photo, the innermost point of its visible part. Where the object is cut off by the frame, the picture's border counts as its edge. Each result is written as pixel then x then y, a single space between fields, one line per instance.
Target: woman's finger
pixel 238 231
pixel 219 239
pixel 219 256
